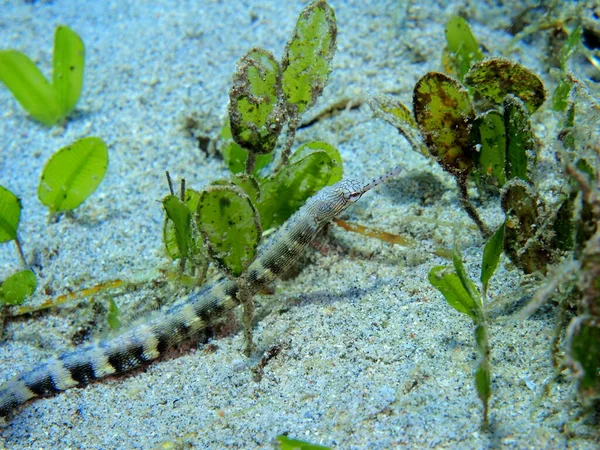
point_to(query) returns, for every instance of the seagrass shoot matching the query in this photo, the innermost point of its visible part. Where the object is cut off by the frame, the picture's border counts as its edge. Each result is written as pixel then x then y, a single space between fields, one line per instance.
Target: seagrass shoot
pixel 48 102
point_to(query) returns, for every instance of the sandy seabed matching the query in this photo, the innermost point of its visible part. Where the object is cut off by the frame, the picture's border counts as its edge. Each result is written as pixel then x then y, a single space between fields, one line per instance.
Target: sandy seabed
pixel 371 355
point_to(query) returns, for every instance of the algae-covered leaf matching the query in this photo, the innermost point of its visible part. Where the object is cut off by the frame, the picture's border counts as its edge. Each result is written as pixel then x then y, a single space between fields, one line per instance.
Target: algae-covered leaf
pixel 286 191
pixel 311 147
pixel 256 112
pixel 520 145
pixel 445 280
pixel 521 204
pixel 497 77
pixel 230 226
pixel 72 174
pixel 489 132
pixel 10 214
pixel 31 89
pixel 398 115
pixel 307 59
pixel 235 156
pixel 462 45
pixel 16 288
pixel 285 443
pixel 445 114
pixel 491 256
pixel 583 355
pixel 69 59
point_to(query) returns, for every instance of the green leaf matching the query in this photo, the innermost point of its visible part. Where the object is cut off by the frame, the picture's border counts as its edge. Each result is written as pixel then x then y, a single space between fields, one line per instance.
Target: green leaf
pixel 69 58
pixel 307 59
pixel 286 443
pixel 10 214
pixel 521 204
pixel 249 185
pixel 230 226
pixel 497 77
pixel 16 288
pixel 560 98
pixel 520 146
pixel 491 256
pixel 72 174
pixel 113 317
pixel 177 233
pixel 462 45
pixel 489 132
pixel 235 156
pixel 464 278
pixel 177 229
pixel 483 384
pixel 256 111
pixel 444 112
pixel 285 192
pixel 564 224
pixel 311 147
pixel 31 89
pixel 583 354
pixel 570 46
pixel 445 280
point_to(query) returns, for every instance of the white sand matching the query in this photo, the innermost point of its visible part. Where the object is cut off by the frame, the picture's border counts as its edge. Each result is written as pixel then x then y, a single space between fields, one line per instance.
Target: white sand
pixel 372 356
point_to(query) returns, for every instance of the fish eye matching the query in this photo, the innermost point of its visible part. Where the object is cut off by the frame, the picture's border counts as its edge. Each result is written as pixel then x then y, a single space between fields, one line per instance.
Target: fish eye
pixel 353 196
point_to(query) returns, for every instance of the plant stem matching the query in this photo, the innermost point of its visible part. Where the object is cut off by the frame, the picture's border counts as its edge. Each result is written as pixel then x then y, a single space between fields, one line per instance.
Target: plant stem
pixel 465 203
pixel 20 250
pixel 250 163
pixel 293 124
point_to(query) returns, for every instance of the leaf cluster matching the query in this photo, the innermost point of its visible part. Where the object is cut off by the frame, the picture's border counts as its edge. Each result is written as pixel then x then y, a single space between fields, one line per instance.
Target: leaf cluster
pixel 224 222
pixel 460 293
pixel 47 102
pixel 70 176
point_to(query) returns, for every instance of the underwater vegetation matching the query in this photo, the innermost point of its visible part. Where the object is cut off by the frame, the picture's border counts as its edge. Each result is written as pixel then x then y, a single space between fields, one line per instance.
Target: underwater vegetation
pixel 475 121
pixel 47 102
pixel 224 223
pixel 70 176
pixel 477 127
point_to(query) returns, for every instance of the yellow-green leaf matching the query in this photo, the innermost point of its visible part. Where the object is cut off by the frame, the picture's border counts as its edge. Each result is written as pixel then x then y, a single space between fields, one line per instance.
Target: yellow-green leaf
pixel 285 192
pixel 491 256
pixel 311 147
pixel 10 214
pixel 445 280
pixel 69 58
pixel 16 288
pixel 462 45
pixel 72 174
pixel 307 60
pixel 295 444
pixel 31 89
pixel 113 318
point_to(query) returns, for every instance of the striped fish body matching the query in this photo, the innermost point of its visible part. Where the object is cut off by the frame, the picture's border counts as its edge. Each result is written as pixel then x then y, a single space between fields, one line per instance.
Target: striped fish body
pixel 183 320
